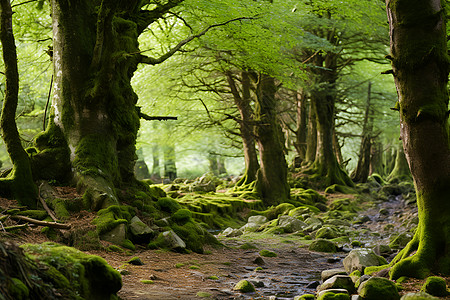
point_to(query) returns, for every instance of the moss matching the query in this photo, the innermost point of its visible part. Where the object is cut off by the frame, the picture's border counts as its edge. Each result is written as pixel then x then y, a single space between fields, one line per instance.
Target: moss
pixel 203 295
pixel 58 279
pixel 213 277
pixel 128 245
pixel 35 214
pixel 374 269
pixel 90 275
pixel 305 297
pixel 111 217
pixel 267 253
pixel 435 286
pixel 182 216
pixel 377 288
pixel 168 204
pixel 247 246
pixel 18 289
pixel 194 267
pixel 193 235
pixel 146 281
pixel 114 248
pixel 333 296
pixel 321 245
pixel 259 269
pixel 326 232
pixel 179 265
pixel 244 286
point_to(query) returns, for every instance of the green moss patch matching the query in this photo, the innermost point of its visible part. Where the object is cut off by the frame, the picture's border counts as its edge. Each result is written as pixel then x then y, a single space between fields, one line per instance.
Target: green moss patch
pixel 267 253
pixel 244 286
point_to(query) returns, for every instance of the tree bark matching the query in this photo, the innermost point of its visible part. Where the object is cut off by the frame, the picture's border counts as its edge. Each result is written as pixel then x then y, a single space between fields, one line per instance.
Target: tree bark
pixel 170 168
pixel 271 181
pixel 302 124
pixel 326 167
pixel 376 158
pixel 311 138
pixel 19 183
pixel 242 100
pixel 420 67
pixel 401 171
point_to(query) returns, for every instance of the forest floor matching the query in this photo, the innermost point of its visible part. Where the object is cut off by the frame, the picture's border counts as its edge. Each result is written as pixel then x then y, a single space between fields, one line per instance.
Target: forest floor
pixel 168 275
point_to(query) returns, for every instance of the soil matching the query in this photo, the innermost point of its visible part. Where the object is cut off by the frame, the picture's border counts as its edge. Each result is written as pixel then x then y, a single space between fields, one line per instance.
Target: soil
pixel 295 270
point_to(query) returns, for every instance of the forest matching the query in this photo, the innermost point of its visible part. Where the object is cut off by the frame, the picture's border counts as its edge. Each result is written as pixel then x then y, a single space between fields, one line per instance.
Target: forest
pixel 252 149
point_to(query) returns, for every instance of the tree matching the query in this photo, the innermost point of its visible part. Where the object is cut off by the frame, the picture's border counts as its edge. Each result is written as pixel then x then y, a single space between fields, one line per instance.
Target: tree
pixel 420 65
pixel 19 183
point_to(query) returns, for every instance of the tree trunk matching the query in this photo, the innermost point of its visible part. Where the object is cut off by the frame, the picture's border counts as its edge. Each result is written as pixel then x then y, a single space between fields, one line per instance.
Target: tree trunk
pixel 311 139
pixel 246 127
pixel 170 168
pixel 302 124
pixel 19 183
pixel 326 167
pixel 156 172
pixel 376 158
pixel 420 67
pixel 361 173
pixel 401 171
pixel 271 181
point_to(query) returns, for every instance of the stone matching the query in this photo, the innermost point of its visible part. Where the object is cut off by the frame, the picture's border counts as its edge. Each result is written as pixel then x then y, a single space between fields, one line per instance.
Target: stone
pixel 359 259
pixel 313 221
pixel 399 241
pixel 140 232
pixel 321 245
pixel 333 294
pixel 326 233
pixel 435 286
pixel 254 222
pixel 290 224
pixel 172 241
pixel 338 282
pixel 338 222
pixel 377 288
pixel 259 261
pixel 305 297
pixel 244 286
pixel 136 261
pixel 382 250
pixel 231 232
pixel 331 272
pixel 116 236
pixel 418 296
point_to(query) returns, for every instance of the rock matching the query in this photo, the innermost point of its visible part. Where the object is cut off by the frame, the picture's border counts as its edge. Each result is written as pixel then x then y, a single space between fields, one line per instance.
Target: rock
pixel 135 261
pixel 313 285
pixel 244 286
pixel 332 272
pixel 326 233
pixel 435 286
pixel 290 224
pixel 116 236
pixel 172 241
pixel 338 222
pixel 140 232
pixel 333 294
pixel 254 222
pixel 362 219
pixel 259 261
pixel 418 296
pixel 382 250
pixel 400 241
pixel 231 232
pixel 377 288
pixel 321 245
pixel 356 297
pixel 361 279
pixel 305 297
pixel 313 221
pixel 359 259
pixel 338 282
pixel 267 253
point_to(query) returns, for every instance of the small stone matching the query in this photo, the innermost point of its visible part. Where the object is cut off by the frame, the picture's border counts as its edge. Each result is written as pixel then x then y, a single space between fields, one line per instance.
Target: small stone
pixel 332 272
pixel 418 296
pixel 377 288
pixel 435 286
pixel 135 261
pixel 359 259
pixel 259 261
pixel 244 286
pixel 326 233
pixel 321 245
pixel 334 294
pixel 338 282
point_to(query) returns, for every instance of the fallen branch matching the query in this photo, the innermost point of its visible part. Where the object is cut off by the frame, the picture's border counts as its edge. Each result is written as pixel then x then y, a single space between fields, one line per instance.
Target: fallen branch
pixel 157 118
pixel 15 227
pixel 44 204
pixel 41 223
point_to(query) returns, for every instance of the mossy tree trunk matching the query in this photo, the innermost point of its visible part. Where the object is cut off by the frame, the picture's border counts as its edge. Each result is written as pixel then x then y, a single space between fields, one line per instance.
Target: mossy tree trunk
pixel 242 99
pixel 170 167
pixel 361 173
pixel 311 138
pixel 95 118
pixel 376 158
pixel 302 124
pixel 271 181
pixel 19 183
pixel 420 66
pixel 326 166
pixel 401 168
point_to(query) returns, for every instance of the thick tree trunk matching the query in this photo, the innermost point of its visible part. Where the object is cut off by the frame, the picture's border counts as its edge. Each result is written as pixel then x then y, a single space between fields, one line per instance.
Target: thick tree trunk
pixel 19 183
pixel 326 167
pixel 420 67
pixel 242 100
pixel 361 173
pixel 271 180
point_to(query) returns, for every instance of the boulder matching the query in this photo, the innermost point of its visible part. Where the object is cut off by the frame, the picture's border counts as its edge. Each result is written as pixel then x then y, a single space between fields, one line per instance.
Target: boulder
pixel 254 222
pixel 321 245
pixel 338 282
pixel 333 294
pixel 117 235
pixel 326 233
pixel 231 232
pixel 377 288
pixel 290 224
pixel 332 272
pixel 359 259
pixel 172 241
pixel 435 286
pixel 140 232
pixel 244 286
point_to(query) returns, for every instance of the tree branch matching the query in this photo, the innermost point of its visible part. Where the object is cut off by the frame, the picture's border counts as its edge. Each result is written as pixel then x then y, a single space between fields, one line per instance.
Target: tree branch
pixel 157 118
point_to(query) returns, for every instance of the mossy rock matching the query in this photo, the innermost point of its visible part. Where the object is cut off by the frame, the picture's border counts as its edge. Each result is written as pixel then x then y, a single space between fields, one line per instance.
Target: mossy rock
pixel 182 216
pixel 267 253
pixel 321 245
pixel 89 276
pixel 337 188
pixel 244 286
pixel 168 204
pixel 326 232
pixel 418 296
pixel 435 286
pixel 17 289
pixel 376 288
pixel 34 213
pixel 334 294
pixel 305 297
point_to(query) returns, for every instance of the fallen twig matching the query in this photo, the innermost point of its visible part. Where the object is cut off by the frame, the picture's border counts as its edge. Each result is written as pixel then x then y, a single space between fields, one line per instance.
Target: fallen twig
pixel 41 223
pixel 44 204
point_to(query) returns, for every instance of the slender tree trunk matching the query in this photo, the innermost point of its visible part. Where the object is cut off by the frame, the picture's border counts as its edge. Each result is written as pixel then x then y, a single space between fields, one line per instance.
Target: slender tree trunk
pixel 19 183
pixel 420 66
pixel 401 171
pixel 311 139
pixel 156 171
pixel 302 124
pixel 170 168
pixel 362 170
pixel 246 127
pixel 376 158
pixel 326 167
pixel 272 176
